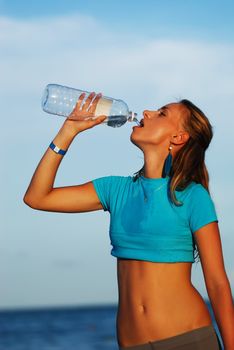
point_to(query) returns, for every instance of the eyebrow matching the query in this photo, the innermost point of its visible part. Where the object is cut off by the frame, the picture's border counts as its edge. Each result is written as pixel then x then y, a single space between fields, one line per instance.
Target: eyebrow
pixel 164 108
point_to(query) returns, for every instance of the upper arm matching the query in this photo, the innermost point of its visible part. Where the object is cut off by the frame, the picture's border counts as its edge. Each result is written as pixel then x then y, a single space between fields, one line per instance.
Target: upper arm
pixel 70 199
pixel 203 223
pixel 210 251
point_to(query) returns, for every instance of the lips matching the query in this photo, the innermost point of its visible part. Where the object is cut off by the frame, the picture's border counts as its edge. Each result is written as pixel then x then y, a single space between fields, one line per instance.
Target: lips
pixel 141 125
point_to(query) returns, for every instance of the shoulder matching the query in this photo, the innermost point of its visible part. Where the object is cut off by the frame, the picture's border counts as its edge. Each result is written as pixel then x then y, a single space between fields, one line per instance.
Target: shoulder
pixel 201 208
pixel 200 201
pixel 108 188
pixel 118 178
pixel 195 194
pixel 199 192
pixel 191 191
pixel 112 180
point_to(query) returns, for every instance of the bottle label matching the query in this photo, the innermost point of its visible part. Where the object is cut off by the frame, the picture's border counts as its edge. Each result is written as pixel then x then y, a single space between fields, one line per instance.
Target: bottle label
pixel 103 107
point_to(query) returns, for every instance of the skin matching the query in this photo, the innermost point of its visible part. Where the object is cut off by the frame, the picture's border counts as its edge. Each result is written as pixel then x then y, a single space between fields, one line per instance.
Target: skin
pixel 156 300
pixel 162 128
pixel 151 306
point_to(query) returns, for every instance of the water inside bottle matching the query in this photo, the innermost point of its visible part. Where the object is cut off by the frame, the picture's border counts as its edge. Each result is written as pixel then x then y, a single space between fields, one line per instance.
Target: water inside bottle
pixel 116 121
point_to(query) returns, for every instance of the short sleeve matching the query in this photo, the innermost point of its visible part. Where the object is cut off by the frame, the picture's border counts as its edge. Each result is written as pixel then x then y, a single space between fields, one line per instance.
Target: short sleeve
pixel 102 188
pixel 201 208
pixel 107 189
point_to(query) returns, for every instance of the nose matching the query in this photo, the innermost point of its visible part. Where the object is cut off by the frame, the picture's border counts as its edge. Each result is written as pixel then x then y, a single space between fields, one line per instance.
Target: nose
pixel 146 113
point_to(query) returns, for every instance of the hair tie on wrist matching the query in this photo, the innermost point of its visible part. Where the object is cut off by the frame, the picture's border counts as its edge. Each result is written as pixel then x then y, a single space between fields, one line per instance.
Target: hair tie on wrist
pixel 57 150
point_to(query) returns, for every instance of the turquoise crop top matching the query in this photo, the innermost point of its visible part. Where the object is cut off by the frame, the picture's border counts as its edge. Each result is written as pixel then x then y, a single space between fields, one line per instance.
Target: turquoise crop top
pixel 154 230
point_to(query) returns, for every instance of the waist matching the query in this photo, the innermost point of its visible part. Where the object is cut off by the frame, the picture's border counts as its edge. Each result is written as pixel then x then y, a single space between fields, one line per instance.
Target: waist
pixel 146 278
pixel 157 300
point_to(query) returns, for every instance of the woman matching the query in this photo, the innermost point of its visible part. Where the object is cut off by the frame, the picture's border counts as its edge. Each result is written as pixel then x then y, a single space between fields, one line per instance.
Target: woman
pixel 158 219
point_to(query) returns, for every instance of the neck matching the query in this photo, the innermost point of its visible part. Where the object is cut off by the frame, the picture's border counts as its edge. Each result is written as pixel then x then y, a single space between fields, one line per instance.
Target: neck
pixel 153 165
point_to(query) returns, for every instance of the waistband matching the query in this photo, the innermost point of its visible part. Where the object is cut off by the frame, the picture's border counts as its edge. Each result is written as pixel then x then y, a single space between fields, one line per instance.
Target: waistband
pixel 177 340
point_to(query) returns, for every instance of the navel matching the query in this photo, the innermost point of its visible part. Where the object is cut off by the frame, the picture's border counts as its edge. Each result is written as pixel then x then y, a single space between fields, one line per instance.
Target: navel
pixel 142 308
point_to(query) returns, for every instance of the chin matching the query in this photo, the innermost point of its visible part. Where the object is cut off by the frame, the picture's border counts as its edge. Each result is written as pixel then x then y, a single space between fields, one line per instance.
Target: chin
pixel 134 140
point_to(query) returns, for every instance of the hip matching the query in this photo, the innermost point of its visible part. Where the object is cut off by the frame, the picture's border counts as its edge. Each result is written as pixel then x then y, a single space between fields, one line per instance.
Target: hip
pixel 160 316
pixel 202 338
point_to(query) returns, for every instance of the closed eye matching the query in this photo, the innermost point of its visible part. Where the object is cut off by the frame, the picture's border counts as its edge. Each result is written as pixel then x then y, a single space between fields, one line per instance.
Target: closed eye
pixel 161 113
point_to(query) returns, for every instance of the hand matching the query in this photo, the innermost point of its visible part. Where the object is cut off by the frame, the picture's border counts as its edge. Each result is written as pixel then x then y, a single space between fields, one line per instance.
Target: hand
pixel 82 118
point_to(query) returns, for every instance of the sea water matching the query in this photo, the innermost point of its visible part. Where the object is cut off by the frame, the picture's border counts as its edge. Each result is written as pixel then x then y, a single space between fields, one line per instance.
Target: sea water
pixel 73 328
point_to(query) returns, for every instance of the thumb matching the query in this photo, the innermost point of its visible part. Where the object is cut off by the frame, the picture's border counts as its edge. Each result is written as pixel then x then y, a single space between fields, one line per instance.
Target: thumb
pixel 100 118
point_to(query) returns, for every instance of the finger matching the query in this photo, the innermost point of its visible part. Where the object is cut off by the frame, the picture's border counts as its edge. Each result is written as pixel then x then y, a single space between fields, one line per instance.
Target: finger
pixel 79 102
pixel 102 117
pixel 96 120
pixel 88 101
pixel 93 105
pixel 99 119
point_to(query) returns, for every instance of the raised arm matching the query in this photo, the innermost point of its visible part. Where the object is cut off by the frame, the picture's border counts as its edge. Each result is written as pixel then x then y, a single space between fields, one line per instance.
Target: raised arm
pixel 41 194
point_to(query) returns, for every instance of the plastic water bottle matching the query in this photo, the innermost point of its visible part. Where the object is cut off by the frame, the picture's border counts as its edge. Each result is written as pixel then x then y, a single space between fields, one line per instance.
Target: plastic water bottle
pixel 61 100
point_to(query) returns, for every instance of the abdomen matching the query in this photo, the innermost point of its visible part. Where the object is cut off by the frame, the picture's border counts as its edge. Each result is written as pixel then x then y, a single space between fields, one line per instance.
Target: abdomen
pixel 156 301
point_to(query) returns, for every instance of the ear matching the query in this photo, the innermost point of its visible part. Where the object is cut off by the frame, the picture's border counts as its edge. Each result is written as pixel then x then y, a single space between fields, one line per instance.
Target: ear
pixel 181 138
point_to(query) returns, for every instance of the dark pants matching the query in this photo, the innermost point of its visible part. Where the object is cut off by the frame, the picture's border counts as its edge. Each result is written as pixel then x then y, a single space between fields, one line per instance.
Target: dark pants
pixel 204 338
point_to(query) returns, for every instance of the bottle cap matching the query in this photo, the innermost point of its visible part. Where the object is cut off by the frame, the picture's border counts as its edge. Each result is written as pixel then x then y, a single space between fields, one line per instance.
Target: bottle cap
pixel 132 116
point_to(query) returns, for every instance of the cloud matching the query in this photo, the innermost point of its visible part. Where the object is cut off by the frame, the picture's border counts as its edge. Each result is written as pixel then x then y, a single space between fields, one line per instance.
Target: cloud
pixel 24 36
pixel 79 49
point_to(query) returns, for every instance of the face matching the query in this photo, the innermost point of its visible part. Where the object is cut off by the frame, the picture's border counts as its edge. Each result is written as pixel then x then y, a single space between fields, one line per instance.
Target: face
pixel 160 127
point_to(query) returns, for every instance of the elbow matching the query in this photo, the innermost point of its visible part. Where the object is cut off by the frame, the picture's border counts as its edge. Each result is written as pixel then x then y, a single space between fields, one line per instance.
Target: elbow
pixel 218 286
pixel 30 202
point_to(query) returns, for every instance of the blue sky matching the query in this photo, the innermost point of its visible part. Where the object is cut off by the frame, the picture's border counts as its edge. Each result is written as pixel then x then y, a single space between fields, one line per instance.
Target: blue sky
pixel 146 53
pixel 203 19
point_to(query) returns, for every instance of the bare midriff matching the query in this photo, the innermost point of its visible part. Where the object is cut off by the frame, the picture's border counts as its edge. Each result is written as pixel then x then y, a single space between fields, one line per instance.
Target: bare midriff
pixel 157 301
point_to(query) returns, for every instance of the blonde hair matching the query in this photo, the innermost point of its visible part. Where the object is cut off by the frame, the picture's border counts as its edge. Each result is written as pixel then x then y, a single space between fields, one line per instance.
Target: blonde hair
pixel 189 162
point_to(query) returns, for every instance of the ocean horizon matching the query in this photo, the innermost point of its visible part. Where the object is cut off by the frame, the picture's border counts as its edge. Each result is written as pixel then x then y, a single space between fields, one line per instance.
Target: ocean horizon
pixel 86 327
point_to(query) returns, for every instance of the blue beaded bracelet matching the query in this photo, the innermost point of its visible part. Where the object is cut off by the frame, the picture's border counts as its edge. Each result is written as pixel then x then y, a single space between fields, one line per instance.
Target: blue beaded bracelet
pixel 56 149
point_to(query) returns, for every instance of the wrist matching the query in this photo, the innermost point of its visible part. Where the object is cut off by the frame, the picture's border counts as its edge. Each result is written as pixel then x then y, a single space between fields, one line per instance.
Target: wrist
pixel 63 139
pixel 57 150
pixel 69 130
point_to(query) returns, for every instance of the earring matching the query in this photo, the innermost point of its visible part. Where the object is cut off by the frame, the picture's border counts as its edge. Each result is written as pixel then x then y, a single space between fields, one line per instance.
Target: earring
pixel 168 163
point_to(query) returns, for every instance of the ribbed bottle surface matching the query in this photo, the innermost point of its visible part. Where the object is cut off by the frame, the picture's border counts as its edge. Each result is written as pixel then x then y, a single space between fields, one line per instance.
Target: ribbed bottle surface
pixel 61 100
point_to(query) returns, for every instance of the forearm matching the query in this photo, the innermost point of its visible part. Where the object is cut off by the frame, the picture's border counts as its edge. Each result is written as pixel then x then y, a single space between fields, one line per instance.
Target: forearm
pixel 44 176
pixel 222 305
